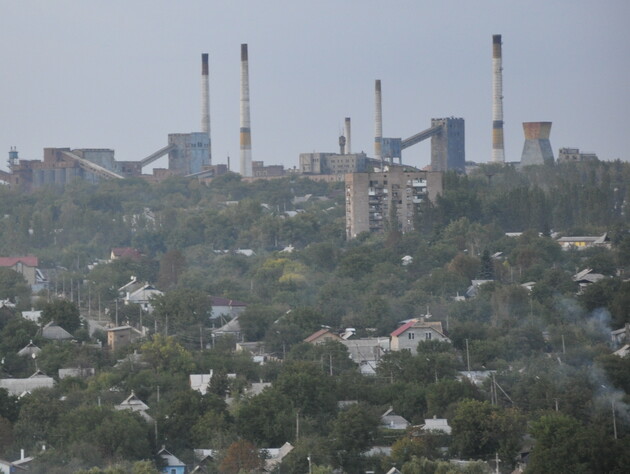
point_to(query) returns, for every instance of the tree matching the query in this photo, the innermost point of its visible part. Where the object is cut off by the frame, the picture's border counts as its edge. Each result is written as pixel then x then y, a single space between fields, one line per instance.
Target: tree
pixel 164 354
pixel 352 433
pixel 307 387
pixel 13 286
pixel 559 445
pixel 482 430
pixel 267 419
pixel 172 265
pixel 241 456
pixel 63 312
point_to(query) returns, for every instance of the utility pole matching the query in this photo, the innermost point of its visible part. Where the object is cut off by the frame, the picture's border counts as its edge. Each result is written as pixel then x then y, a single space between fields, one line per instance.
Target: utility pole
pixel 612 402
pixel 467 356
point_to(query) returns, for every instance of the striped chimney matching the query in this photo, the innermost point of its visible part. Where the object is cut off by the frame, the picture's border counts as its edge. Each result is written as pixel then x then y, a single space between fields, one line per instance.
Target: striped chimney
pixel 378 121
pixel 498 151
pixel 347 134
pixel 205 100
pixel 246 136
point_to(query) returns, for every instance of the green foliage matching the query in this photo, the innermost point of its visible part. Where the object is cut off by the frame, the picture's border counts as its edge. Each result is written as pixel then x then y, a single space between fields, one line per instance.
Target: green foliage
pixel 63 312
pixel 13 287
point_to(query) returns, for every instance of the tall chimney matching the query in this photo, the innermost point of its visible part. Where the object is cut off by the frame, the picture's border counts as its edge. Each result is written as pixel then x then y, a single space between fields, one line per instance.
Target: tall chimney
pixel 246 136
pixel 347 133
pixel 205 100
pixel 498 151
pixel 378 121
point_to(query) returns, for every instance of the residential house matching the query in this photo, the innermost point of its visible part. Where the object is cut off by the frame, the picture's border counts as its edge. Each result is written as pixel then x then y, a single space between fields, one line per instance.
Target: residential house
pixel 392 421
pixel 78 372
pixel 29 350
pixel 367 352
pixel 20 387
pixel 584 242
pixel 436 424
pixel 473 289
pixel 121 336
pixel 225 307
pixel 55 332
pixel 27 267
pixel 415 331
pixel 619 336
pixel 323 335
pixel 586 278
pixel 274 456
pixel 172 464
pixel 142 296
pixel 231 328
pixel 201 382
pixel 134 404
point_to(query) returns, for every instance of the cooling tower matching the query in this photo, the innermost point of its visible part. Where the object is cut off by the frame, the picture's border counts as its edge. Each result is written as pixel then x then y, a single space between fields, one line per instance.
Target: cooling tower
pixel 537 149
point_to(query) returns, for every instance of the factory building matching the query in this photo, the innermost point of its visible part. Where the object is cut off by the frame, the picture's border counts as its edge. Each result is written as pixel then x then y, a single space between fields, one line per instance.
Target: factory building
pixel 61 166
pixel 332 163
pixel 373 199
pixel 573 155
pixel 448 145
pixel 189 153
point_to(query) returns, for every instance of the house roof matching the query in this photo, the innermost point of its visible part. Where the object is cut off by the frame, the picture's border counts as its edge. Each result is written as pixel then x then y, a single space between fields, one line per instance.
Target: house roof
pixel 220 301
pixel 126 252
pixel 29 261
pixel 29 349
pixel 393 421
pixel 170 459
pixel 417 323
pixel 53 331
pixel 200 382
pixel 437 424
pixel 133 403
pixel 318 334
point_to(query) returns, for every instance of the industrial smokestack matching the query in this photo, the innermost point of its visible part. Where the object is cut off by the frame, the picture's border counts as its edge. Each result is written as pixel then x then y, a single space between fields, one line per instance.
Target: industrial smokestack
pixel 347 134
pixel 378 121
pixel 498 151
pixel 246 136
pixel 205 100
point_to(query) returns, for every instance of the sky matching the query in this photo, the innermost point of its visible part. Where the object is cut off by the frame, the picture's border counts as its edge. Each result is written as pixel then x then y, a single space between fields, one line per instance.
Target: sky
pixel 123 74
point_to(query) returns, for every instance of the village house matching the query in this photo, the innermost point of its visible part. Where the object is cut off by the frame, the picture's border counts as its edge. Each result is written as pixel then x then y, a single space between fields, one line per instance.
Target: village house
pixel 415 331
pixel 27 267
pixel 121 336
pixel 323 335
pixel 584 242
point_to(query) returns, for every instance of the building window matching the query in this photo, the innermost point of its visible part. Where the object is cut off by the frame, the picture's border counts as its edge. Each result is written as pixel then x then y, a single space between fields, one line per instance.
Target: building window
pixel 412 335
pixel 427 336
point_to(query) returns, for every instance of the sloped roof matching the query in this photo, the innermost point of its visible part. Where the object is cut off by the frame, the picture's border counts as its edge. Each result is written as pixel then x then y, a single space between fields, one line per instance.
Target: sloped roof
pixel 393 421
pixel 29 261
pixel 29 350
pixel 324 331
pixel 437 424
pixel 53 331
pixel 416 323
pixel 133 403
pixel 169 458
pixel 126 252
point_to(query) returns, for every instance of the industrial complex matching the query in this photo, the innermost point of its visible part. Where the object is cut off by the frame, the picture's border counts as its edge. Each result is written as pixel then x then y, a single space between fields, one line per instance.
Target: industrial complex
pixel 377 188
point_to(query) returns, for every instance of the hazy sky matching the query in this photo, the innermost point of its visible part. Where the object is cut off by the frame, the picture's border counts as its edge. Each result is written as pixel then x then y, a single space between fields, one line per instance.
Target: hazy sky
pixel 123 74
